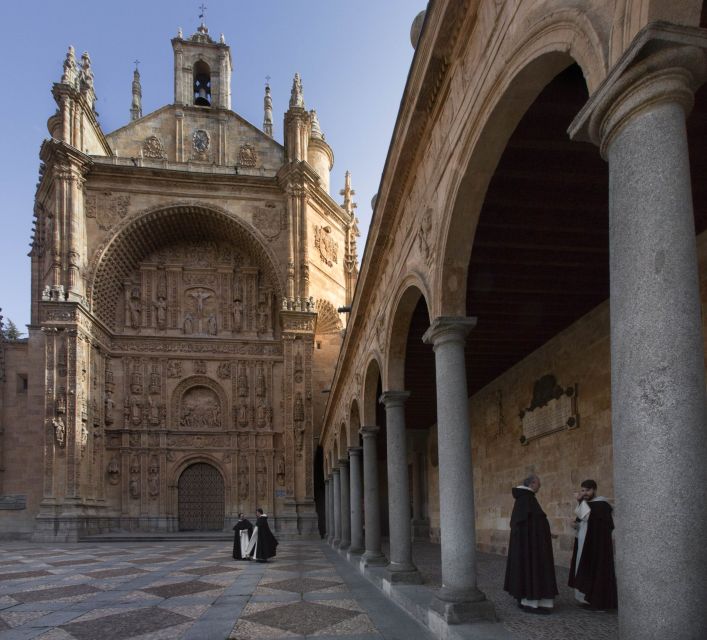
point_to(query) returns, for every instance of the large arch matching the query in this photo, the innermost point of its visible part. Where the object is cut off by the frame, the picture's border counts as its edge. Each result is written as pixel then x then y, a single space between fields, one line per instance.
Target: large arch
pixel 139 236
pixel 181 466
pixel 369 398
pixel 354 424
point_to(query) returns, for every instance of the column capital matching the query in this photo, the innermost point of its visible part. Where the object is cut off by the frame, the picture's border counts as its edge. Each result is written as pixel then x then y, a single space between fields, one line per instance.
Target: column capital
pixel 343 462
pixel 665 63
pixel 356 451
pixel 393 398
pixel 369 432
pixel 448 328
pixel 335 470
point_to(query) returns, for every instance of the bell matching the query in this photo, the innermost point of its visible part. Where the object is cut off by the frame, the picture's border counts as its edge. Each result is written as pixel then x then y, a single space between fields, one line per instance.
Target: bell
pixel 202 99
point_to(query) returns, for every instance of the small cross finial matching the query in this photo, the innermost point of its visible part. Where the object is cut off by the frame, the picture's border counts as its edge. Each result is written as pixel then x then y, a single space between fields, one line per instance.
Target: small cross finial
pixel 136 62
pixel 202 8
pixel 267 80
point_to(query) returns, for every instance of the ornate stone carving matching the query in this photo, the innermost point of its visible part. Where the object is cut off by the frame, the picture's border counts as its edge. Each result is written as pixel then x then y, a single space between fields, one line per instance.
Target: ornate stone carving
pixel 224 370
pixel 134 484
pixel 200 366
pixel 328 248
pixel 153 477
pixel 108 406
pixel 200 409
pixel 280 470
pixel 261 479
pixel 113 471
pixel 328 320
pixel 90 205
pixel 110 209
pixel 210 347
pixel 134 307
pixel 59 431
pixel 155 380
pixel 174 369
pixel 268 220
pixel 136 412
pixel 152 148
pixel 237 316
pixel 155 412
pixel 260 385
pixel 263 415
pixel 243 472
pixel 247 155
pixel 242 381
pixel 201 141
pixel 136 378
pixel 424 237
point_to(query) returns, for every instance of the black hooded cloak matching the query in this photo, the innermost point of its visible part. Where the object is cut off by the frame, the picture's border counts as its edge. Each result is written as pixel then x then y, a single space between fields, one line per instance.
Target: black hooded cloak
pixel 595 576
pixel 266 546
pixel 530 569
pixel 240 526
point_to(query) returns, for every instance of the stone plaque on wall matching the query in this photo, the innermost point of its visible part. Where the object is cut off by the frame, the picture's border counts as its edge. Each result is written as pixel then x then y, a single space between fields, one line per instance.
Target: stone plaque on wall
pixel 553 408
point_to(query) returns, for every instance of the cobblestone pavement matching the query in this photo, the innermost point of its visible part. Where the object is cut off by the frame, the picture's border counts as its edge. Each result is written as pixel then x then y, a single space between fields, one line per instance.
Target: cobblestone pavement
pixel 567 622
pixel 190 591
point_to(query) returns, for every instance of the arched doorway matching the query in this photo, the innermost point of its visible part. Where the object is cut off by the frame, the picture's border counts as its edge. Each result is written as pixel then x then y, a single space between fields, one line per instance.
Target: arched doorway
pixel 200 493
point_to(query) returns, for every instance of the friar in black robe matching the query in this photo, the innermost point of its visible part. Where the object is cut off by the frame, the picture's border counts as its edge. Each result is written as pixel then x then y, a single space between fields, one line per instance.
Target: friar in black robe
pixel 239 548
pixel 530 569
pixel 592 571
pixel 263 544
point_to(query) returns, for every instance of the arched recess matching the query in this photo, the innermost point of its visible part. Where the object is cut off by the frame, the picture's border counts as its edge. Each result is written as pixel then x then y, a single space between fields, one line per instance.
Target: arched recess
pixel 195 382
pixel 369 401
pixel 405 303
pixel 178 470
pixel 354 424
pixel 343 441
pixel 151 230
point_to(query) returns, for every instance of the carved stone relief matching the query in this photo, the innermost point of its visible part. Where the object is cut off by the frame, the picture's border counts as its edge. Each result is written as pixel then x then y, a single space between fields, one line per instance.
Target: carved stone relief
pixel 328 248
pixel 174 369
pixel 247 155
pixel 113 471
pixel 152 148
pixel 134 484
pixel 153 477
pixel 200 409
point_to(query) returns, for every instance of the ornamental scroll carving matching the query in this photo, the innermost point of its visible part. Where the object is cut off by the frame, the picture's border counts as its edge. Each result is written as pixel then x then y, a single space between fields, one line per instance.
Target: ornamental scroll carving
pixel 328 248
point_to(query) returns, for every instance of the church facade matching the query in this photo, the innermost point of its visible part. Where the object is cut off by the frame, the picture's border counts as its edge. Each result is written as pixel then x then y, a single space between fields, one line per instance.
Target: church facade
pixel 186 271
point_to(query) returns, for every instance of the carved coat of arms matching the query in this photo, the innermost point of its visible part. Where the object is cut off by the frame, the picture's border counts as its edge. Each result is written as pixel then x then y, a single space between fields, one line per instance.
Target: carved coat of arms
pixel 328 248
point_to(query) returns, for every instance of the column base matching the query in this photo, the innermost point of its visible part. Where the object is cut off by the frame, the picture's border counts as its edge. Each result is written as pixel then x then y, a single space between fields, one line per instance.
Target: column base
pixel 373 559
pixel 403 574
pixel 336 542
pixel 353 551
pixel 460 608
pixel 344 545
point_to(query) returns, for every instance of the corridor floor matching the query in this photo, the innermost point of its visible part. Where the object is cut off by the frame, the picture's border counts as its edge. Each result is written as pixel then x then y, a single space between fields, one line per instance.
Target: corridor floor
pixel 196 591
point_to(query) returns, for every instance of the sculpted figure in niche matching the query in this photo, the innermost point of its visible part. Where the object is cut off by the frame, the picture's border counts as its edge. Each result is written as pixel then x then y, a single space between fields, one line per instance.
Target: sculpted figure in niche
pixel 134 308
pixel 83 439
pixel 153 479
pixel 136 412
pixel 109 373
pixel 242 381
pixel 263 318
pixel 261 477
pixel 136 378
pixel 174 369
pixel 224 370
pixel 155 382
pixel 299 408
pixel 200 296
pixel 113 471
pixel 108 406
pixel 298 361
pixel 134 487
pixel 262 415
pixel 211 324
pixel 242 414
pixel 188 324
pixel 61 402
pixel 281 470
pixel 243 489
pixel 59 431
pixel 260 381
pixel 161 312
pixel 154 412
pixel 237 316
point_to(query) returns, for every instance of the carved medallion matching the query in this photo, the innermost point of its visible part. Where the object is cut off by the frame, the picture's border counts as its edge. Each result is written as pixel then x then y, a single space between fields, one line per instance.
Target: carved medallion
pixel 247 155
pixel 200 141
pixel 152 148
pixel 328 249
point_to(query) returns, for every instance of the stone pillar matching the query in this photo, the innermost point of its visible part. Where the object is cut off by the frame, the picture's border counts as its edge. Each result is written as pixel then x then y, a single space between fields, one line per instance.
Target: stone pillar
pixel 345 504
pixel 330 510
pixel 371 498
pixel 327 511
pixel 637 117
pixel 459 599
pixel 401 567
pixel 337 507
pixel 356 496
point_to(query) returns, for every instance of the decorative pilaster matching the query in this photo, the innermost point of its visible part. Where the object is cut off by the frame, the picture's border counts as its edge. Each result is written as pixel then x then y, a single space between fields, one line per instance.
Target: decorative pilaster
pixel 637 118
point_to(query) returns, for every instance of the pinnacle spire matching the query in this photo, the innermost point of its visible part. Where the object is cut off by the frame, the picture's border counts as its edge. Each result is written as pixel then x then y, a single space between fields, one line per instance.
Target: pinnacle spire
pixel 348 204
pixel 136 108
pixel 70 74
pixel 86 80
pixel 297 95
pixel 267 106
pixel 316 128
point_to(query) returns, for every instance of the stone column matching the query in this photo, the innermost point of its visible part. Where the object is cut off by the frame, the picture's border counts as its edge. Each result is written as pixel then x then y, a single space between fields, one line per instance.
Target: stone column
pixel 459 599
pixel 330 510
pixel 326 509
pixel 345 504
pixel 371 498
pixel 337 507
pixel 356 495
pixel 637 116
pixel 401 567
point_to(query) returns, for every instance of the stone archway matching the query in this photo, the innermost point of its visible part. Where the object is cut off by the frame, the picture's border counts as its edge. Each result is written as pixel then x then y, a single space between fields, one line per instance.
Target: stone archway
pixel 201 498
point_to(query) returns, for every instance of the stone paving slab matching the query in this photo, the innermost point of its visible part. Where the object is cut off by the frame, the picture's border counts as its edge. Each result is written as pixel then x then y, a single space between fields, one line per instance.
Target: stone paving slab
pixel 173 591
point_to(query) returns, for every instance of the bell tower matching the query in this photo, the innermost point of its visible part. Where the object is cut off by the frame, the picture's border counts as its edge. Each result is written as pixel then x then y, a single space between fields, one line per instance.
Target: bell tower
pixel 202 70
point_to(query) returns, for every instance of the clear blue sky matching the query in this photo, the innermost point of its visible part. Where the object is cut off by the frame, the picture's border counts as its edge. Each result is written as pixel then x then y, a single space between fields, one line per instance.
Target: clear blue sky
pixel 353 56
